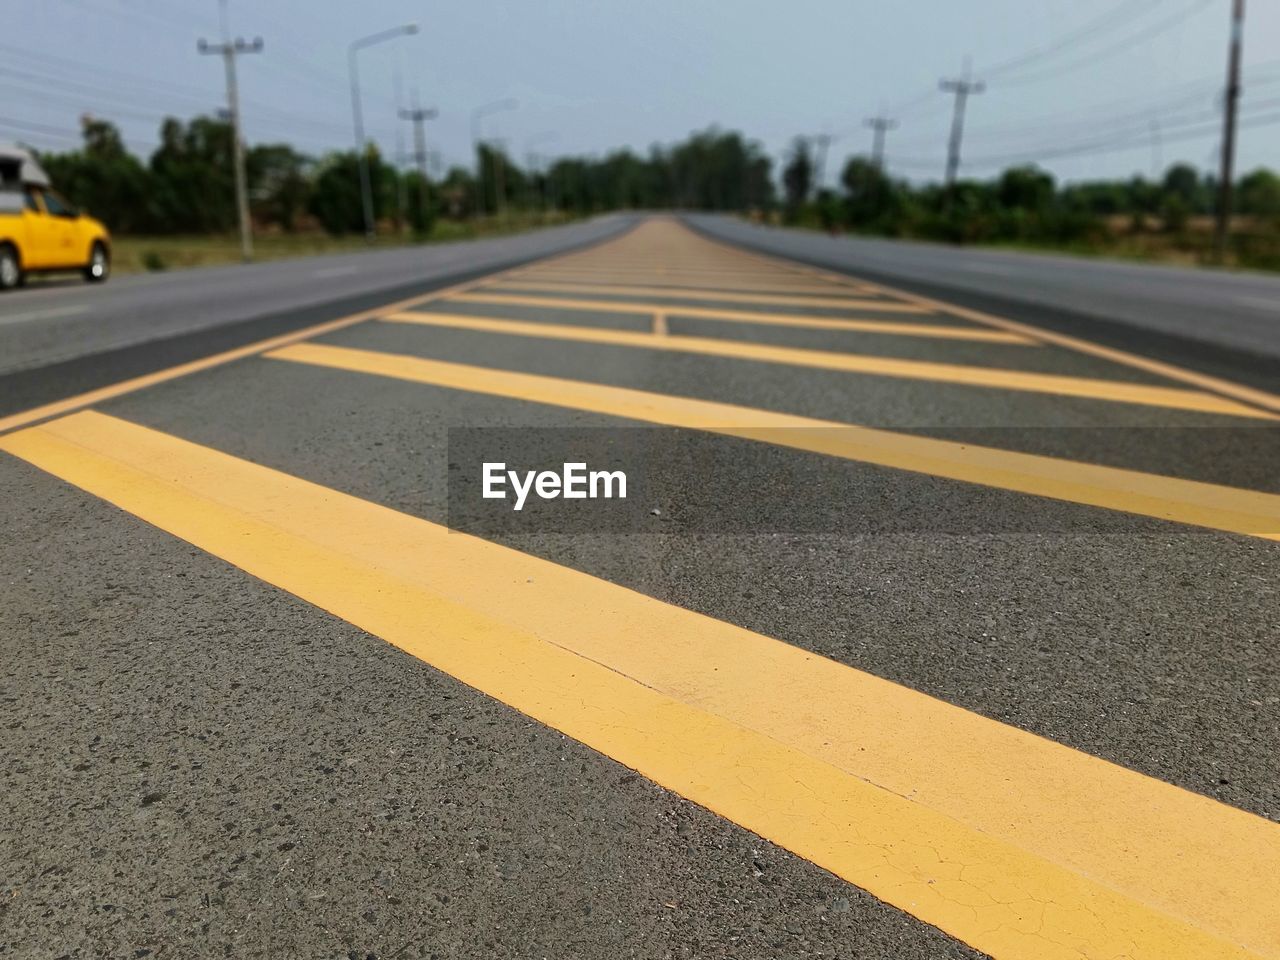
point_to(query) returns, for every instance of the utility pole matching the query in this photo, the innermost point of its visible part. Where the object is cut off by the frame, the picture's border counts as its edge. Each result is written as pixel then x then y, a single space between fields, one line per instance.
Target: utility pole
pixel 402 186
pixel 880 126
pixel 1157 149
pixel 1225 186
pixel 229 50
pixel 419 116
pixel 962 88
pixel 823 141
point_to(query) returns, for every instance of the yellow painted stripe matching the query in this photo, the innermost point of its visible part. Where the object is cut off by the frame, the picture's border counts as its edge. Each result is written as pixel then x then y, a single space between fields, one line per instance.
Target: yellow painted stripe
pixel 679 288
pixel 896 328
pixel 724 296
pixel 1130 491
pixel 1023 848
pixel 692 267
pixel 1172 398
pixel 133 384
pixel 711 313
pixel 754 277
pixel 761 283
pixel 1246 394
pixel 90 397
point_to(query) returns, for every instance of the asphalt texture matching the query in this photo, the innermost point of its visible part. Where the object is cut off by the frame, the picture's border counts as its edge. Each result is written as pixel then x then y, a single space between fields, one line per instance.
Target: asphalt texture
pixel 1220 320
pixel 199 764
pixel 54 322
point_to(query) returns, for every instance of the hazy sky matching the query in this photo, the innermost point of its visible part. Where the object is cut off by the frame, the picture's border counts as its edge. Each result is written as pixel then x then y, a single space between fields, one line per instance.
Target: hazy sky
pixel 1117 86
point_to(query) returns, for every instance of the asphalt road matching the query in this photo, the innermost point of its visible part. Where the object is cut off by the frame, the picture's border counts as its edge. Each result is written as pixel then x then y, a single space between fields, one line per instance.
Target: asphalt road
pixel 1236 311
pixel 52 322
pixel 923 631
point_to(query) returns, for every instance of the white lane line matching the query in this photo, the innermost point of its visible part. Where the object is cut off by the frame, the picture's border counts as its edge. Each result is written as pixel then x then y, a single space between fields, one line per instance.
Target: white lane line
pixel 334 271
pixel 1263 303
pixel 49 314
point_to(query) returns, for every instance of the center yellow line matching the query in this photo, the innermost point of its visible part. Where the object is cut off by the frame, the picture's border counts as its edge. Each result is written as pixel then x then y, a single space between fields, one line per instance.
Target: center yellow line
pixel 714 313
pixel 1166 498
pixel 630 277
pixel 1023 848
pixel 724 296
pixel 1172 398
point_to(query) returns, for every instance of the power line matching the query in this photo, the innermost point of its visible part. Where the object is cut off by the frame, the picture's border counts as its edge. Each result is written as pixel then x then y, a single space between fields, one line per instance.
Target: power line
pixel 1120 46
pixel 1141 111
pixel 926 99
pixel 1106 22
pixel 924 104
pixel 1136 138
pixel 197 95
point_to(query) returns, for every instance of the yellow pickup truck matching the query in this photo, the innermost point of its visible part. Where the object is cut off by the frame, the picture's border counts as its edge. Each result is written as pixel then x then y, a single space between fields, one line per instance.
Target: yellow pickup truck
pixel 41 232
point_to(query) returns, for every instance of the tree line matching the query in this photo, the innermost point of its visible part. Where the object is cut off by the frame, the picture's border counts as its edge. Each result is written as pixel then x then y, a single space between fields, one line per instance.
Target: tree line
pixel 186 186
pixel 1024 204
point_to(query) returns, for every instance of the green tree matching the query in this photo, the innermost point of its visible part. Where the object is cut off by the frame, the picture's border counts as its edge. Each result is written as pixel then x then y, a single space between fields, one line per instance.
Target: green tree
pixel 1025 188
pixel 869 195
pixel 279 184
pixel 191 178
pixel 797 177
pixel 104 179
pixel 336 199
pixel 1183 189
pixel 1258 193
pixel 423 203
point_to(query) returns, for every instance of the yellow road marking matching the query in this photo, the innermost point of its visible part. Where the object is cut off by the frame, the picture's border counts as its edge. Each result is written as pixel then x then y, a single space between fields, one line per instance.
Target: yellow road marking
pixel 579 303
pixel 1021 847
pixel 690 262
pixel 90 397
pixel 749 275
pixel 1261 398
pixel 1172 398
pixel 725 296
pixel 1130 491
pixel 696 276
pixel 756 283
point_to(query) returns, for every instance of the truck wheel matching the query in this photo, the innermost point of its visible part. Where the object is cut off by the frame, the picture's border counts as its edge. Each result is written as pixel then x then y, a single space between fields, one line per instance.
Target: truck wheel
pixel 10 268
pixel 99 266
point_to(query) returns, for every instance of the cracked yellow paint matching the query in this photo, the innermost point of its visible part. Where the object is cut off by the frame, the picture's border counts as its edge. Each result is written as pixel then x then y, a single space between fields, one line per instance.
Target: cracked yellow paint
pixel 1019 846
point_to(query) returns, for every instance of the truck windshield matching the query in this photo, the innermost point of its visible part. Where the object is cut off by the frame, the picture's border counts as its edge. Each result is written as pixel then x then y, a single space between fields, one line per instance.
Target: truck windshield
pixel 56 206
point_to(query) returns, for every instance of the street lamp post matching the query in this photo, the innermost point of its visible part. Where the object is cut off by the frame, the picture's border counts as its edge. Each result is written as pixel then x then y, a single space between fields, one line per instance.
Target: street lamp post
pixel 477 115
pixel 357 115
